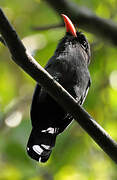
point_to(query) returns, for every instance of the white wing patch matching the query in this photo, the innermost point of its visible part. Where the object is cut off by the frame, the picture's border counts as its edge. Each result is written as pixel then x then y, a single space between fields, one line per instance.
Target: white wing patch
pixel 40 159
pixel 45 146
pixel 49 130
pixel 37 149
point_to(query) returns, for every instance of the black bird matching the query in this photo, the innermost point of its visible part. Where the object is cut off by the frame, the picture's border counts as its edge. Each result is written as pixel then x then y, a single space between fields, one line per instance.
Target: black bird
pixel 69 66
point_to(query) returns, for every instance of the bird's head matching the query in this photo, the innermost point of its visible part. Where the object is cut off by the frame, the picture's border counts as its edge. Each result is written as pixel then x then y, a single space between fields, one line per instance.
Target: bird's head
pixel 74 39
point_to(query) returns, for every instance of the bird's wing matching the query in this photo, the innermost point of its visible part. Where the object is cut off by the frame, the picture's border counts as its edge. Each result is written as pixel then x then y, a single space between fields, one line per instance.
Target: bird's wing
pixel 34 105
pixel 81 94
pixel 48 120
pixel 61 71
pixel 43 135
pixel 40 143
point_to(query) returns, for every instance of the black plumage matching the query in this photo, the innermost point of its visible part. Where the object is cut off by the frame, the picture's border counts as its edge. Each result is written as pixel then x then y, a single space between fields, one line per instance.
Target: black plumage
pixel 69 66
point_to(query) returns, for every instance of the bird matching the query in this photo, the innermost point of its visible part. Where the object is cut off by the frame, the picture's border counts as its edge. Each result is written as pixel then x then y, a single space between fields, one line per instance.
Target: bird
pixel 68 66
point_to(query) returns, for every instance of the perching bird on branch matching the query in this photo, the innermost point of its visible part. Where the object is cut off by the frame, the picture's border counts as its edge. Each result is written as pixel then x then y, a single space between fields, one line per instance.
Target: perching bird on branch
pixel 68 66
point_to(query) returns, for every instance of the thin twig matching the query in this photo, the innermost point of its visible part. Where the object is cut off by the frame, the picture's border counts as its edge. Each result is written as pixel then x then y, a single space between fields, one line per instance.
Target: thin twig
pixel 30 66
pixel 87 20
pixel 47 27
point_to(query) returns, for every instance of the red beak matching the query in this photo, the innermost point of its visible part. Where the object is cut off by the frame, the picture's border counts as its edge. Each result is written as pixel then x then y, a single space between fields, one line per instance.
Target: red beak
pixel 69 25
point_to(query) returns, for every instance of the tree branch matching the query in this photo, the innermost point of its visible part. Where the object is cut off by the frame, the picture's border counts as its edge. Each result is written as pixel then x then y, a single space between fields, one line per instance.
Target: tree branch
pixel 47 27
pixel 87 20
pixel 30 66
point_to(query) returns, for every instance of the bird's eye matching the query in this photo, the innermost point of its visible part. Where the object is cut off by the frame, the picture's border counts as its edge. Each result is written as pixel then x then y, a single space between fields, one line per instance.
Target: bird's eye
pixel 83 41
pixel 84 44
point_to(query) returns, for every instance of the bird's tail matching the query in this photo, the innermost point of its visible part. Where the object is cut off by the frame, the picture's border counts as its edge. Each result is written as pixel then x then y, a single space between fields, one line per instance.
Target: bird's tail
pixel 40 143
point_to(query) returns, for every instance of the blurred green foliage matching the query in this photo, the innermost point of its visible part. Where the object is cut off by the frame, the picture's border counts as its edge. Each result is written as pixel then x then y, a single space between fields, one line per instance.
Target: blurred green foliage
pixel 75 156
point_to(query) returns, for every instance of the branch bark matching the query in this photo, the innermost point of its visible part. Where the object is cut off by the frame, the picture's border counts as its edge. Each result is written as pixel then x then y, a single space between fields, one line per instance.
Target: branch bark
pixel 30 66
pixel 87 20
